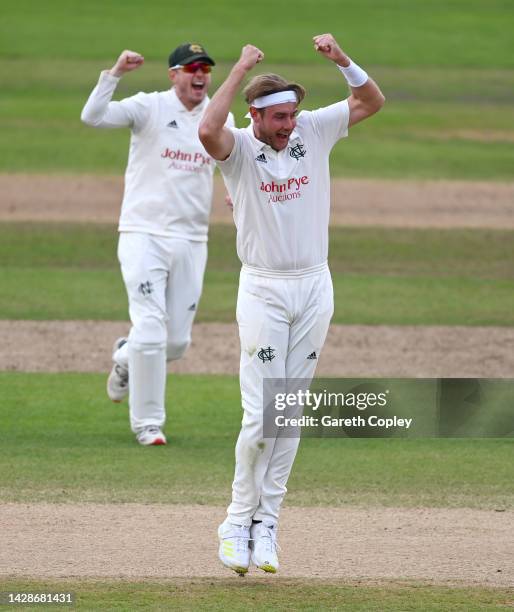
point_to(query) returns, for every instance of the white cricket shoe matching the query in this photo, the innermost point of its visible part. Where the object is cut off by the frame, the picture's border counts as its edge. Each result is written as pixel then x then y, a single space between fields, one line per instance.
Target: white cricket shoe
pixel 151 436
pixel 117 383
pixel 234 550
pixel 264 547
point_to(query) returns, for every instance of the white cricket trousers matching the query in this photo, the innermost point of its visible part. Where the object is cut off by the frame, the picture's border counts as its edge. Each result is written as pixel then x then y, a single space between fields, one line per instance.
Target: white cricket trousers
pixel 163 278
pixel 288 317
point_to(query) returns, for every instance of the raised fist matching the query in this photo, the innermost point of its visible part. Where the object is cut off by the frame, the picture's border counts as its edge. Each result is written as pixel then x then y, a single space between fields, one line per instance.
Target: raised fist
pixel 127 61
pixel 327 45
pixel 250 56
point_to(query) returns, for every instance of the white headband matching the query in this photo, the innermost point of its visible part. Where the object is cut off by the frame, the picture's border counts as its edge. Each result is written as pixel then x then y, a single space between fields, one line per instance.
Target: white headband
pixel 275 98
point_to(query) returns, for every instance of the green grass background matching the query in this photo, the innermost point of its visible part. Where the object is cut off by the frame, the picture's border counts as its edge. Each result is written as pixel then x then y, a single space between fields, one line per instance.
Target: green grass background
pixel 446 68
pixel 266 594
pixel 62 440
pixel 465 33
pixel 381 275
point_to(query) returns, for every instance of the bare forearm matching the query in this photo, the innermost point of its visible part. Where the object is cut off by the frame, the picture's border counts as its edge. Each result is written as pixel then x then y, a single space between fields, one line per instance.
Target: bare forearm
pixel 365 90
pixel 217 139
pixel 366 98
pixel 217 111
pixel 368 94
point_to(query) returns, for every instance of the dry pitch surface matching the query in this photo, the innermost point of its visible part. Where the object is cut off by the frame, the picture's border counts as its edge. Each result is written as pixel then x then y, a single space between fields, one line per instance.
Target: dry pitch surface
pixel 354 202
pixel 350 350
pixel 373 544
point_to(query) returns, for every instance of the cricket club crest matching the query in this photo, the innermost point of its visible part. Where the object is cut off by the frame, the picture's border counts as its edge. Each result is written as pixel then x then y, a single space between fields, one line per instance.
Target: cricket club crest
pixel 266 354
pixel 145 288
pixel 297 151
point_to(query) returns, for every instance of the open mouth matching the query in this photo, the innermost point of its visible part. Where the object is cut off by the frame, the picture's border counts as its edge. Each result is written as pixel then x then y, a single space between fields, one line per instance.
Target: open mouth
pixel 198 86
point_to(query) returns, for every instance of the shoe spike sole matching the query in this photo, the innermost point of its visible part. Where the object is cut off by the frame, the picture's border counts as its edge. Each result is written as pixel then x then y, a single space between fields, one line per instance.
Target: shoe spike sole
pixel 269 569
pixel 241 571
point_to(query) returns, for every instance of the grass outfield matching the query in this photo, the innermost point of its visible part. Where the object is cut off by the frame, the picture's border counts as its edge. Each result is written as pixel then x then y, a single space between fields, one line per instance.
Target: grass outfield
pixel 399 32
pixel 267 594
pixel 381 276
pixel 62 440
pixel 450 109
pixel 435 125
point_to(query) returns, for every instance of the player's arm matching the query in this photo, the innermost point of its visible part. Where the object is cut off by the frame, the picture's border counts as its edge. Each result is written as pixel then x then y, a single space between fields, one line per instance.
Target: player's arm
pixel 366 98
pixel 99 111
pixel 217 139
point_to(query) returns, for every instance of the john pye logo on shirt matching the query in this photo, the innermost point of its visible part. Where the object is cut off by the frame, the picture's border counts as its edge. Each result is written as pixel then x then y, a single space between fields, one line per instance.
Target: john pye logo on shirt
pixel 181 160
pixel 287 190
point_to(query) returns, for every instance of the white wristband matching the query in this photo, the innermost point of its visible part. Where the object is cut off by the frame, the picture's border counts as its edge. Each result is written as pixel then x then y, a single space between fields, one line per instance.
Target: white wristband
pixel 354 74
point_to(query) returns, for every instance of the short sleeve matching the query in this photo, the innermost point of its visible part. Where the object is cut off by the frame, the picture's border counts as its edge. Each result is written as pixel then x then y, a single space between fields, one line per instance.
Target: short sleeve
pixel 232 165
pixel 330 123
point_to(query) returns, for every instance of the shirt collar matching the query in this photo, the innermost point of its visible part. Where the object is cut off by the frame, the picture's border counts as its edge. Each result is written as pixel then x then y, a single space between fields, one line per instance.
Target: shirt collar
pixel 295 135
pixel 257 144
pixel 175 100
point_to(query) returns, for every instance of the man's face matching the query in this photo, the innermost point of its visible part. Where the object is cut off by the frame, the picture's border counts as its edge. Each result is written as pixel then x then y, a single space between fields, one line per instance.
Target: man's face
pixel 274 124
pixel 191 83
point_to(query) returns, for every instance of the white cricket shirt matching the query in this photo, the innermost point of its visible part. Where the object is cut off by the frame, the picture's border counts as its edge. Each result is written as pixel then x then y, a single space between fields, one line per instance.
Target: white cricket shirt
pixel 168 180
pixel 282 199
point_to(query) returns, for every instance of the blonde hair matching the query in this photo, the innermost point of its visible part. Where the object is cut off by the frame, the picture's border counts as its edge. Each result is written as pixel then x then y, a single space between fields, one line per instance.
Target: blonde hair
pixel 265 84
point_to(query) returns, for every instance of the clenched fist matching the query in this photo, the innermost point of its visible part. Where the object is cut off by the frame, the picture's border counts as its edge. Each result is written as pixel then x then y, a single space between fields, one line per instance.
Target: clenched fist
pixel 250 56
pixel 127 61
pixel 327 45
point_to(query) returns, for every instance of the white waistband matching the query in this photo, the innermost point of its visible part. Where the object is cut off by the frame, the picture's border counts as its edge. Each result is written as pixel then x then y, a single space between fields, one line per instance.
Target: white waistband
pixel 302 273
